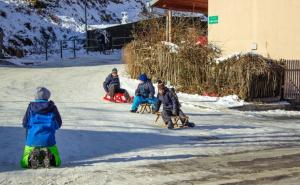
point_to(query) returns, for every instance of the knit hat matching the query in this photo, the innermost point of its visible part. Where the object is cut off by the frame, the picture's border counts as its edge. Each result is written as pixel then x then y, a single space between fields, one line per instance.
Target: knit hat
pixel 42 93
pixel 143 77
pixel 114 70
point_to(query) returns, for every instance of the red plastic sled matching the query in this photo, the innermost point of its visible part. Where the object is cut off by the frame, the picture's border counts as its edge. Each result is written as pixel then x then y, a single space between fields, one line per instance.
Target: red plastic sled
pixel 119 98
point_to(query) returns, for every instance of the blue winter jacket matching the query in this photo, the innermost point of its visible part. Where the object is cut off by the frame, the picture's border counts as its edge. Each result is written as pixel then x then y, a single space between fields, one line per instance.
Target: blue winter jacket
pixel 169 100
pixel 111 80
pixel 41 121
pixel 145 90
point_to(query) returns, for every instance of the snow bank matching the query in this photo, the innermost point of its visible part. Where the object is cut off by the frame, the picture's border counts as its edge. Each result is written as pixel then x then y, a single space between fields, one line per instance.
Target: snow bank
pixel 277 112
pixel 173 48
pixel 236 55
pixel 191 100
pixel 210 102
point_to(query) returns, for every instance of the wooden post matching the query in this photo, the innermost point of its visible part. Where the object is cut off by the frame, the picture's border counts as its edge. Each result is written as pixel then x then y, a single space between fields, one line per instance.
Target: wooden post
pixel 167 26
pixel 170 25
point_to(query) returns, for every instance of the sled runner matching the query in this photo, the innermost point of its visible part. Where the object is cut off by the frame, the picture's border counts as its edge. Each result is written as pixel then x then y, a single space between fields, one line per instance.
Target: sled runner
pixel 175 120
pixel 118 98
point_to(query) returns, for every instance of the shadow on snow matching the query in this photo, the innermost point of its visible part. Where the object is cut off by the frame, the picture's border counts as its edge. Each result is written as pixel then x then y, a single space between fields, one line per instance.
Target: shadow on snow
pixel 76 146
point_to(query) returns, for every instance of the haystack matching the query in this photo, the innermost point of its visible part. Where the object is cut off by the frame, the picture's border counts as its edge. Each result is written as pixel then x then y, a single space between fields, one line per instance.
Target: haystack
pixel 250 76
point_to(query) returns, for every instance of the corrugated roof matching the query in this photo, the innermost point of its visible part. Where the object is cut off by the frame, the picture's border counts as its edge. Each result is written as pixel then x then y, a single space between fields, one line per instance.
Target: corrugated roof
pixel 182 5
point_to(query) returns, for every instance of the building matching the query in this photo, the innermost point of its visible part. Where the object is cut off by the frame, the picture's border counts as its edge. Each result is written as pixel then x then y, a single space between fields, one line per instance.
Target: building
pixel 182 5
pixel 266 27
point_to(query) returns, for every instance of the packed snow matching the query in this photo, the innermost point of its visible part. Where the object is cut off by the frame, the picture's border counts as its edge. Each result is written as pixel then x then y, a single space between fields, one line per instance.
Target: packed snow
pixel 98 138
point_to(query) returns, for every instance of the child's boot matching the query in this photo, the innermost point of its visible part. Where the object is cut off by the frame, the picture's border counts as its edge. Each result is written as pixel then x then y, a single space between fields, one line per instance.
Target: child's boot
pixel 34 159
pixel 47 158
pixel 170 125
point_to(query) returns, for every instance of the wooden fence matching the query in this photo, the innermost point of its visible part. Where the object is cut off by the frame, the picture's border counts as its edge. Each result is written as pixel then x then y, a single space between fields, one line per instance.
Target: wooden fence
pixel 292 80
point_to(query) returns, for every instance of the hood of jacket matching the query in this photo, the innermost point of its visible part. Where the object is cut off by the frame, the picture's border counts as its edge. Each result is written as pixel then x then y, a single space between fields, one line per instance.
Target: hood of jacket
pixel 42 107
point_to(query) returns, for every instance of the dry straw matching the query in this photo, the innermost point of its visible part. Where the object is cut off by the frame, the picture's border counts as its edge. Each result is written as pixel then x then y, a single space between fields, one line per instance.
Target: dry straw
pixel 193 69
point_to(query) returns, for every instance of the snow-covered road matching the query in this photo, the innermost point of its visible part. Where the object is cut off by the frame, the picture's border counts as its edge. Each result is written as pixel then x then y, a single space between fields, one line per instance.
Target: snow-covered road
pixel 99 138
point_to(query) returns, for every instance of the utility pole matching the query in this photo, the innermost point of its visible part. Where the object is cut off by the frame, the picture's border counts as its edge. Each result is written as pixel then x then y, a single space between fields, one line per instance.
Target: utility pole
pixel 86 27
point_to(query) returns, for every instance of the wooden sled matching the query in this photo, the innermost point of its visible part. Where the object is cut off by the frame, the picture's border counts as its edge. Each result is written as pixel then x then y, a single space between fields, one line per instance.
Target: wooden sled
pixel 175 120
pixel 145 107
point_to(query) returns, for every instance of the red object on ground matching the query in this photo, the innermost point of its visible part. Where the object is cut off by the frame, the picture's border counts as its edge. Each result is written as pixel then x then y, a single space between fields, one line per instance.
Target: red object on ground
pixel 212 94
pixel 118 98
pixel 202 40
pixel 205 94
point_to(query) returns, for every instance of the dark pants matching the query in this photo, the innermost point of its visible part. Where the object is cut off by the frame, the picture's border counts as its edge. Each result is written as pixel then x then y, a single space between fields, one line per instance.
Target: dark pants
pixel 113 89
pixel 166 116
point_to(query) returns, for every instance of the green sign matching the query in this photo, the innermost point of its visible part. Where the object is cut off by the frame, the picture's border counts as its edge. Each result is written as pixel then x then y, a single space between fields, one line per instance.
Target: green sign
pixel 213 19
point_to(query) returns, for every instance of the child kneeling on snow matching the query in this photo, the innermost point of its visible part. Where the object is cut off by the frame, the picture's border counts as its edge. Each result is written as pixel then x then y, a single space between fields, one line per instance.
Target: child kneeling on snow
pixel 41 121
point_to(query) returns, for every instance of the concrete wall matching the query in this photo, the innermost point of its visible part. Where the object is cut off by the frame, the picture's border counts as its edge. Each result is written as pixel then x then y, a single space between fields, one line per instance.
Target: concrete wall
pixel 271 25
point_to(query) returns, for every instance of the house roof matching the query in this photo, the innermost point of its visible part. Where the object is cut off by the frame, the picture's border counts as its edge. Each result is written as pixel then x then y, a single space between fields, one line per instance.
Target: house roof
pixel 182 5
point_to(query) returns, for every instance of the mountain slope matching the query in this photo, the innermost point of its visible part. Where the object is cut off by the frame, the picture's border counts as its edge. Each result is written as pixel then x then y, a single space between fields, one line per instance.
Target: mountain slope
pixel 28 23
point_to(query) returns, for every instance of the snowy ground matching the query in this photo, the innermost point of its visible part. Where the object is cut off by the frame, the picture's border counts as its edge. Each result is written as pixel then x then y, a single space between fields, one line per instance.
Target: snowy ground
pixel 102 143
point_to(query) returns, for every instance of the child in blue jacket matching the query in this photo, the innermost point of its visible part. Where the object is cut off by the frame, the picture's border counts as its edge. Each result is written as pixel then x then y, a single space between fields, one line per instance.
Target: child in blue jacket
pixel 41 121
pixel 144 94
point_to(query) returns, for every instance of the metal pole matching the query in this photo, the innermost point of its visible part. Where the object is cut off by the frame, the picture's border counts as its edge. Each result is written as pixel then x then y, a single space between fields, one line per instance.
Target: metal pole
pixel 61 49
pixel 112 44
pixel 86 28
pixel 1 43
pixel 99 46
pixel 46 47
pixel 74 44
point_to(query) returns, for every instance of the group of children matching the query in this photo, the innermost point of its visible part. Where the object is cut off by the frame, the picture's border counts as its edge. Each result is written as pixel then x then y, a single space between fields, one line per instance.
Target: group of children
pixel 42 117
pixel 145 93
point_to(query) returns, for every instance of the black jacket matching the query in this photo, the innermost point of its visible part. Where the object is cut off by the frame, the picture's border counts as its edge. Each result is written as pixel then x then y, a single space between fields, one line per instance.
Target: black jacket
pixel 111 80
pixel 169 101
